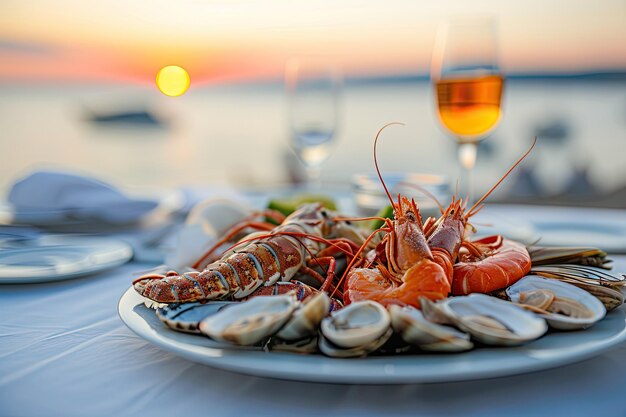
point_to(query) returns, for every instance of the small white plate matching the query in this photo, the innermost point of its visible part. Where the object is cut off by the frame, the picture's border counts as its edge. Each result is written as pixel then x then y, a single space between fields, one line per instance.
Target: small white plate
pixel 56 257
pixel 552 350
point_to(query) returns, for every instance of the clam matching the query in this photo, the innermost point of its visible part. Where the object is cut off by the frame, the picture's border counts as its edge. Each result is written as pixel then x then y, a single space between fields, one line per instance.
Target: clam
pixel 414 329
pixel 570 308
pixel 330 349
pixel 186 317
pixel 306 319
pixel 356 330
pixel 493 321
pixel 250 322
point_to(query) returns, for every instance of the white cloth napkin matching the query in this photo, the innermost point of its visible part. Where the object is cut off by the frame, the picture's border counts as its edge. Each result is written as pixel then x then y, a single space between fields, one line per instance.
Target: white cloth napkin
pixel 206 222
pixel 56 195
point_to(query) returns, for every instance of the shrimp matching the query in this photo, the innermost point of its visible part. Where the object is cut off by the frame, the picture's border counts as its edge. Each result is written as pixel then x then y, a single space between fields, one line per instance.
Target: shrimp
pixel 406 268
pixel 421 259
pixel 410 270
pixel 489 264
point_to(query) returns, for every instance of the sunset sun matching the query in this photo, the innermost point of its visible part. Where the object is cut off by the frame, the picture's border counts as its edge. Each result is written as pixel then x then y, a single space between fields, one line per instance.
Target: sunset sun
pixel 172 80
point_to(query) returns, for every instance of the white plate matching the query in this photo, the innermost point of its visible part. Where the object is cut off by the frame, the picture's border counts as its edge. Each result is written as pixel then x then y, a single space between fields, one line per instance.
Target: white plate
pixel 553 350
pixel 55 258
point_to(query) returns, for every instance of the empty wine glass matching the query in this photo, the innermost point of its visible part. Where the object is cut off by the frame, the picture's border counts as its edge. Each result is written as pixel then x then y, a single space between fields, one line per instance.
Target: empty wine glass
pixel 468 85
pixel 313 86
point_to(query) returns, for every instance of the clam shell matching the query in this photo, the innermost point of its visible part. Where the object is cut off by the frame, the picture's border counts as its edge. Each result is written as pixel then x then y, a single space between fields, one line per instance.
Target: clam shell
pixel 357 325
pixel 249 322
pixel 186 317
pixel 306 320
pixel 561 290
pixel 330 349
pixel 493 321
pixel 434 312
pixel 414 329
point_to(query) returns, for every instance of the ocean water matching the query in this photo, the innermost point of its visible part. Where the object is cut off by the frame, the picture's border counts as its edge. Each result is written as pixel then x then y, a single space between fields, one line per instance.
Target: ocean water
pixel 237 135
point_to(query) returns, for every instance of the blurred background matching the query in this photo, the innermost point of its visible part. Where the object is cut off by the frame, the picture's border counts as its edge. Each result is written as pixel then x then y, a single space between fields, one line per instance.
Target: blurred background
pixel 77 92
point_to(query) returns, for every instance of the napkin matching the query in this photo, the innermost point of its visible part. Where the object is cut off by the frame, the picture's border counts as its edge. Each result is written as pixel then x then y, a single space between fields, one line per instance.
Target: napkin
pixel 55 195
pixel 206 223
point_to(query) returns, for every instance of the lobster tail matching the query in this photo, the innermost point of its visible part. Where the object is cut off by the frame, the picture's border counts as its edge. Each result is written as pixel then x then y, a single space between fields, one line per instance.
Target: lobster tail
pixel 238 275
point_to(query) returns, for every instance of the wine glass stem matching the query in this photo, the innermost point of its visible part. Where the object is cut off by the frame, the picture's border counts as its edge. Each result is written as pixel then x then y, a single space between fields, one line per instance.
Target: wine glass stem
pixel 467 159
pixel 313 178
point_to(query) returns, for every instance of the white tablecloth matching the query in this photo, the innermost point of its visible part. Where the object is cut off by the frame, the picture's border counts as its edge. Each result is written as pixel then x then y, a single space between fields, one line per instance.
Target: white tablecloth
pixel 65 352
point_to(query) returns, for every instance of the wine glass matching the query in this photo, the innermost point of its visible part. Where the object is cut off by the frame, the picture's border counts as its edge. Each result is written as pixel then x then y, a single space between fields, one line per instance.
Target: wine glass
pixel 313 86
pixel 468 86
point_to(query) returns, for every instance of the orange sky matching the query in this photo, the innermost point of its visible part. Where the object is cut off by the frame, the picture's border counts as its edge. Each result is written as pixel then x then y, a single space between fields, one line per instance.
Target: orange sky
pixel 129 40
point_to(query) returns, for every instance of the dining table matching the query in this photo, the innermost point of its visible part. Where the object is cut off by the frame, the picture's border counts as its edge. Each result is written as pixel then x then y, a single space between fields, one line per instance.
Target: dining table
pixel 64 351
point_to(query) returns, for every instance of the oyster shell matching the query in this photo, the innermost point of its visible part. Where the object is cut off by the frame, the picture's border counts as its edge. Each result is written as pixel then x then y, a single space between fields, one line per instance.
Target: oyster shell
pixel 414 329
pixel 249 322
pixel 187 316
pixel 572 307
pixel 306 319
pixel 493 321
pixel 356 325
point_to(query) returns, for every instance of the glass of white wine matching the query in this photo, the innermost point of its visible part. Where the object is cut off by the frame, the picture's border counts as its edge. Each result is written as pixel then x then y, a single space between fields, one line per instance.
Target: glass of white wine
pixel 468 86
pixel 313 87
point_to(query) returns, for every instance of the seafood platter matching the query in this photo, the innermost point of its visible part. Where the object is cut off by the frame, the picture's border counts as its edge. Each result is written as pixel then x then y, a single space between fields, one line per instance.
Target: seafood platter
pixel 316 283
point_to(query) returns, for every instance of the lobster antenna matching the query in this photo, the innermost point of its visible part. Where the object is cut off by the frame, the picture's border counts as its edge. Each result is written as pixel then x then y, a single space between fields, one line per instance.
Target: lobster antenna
pixel 357 219
pixel 293 234
pixel 376 160
pixel 424 191
pixel 470 212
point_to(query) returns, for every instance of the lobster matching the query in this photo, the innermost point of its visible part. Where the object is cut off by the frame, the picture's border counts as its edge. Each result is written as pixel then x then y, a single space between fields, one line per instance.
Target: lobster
pixel 414 258
pixel 308 237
